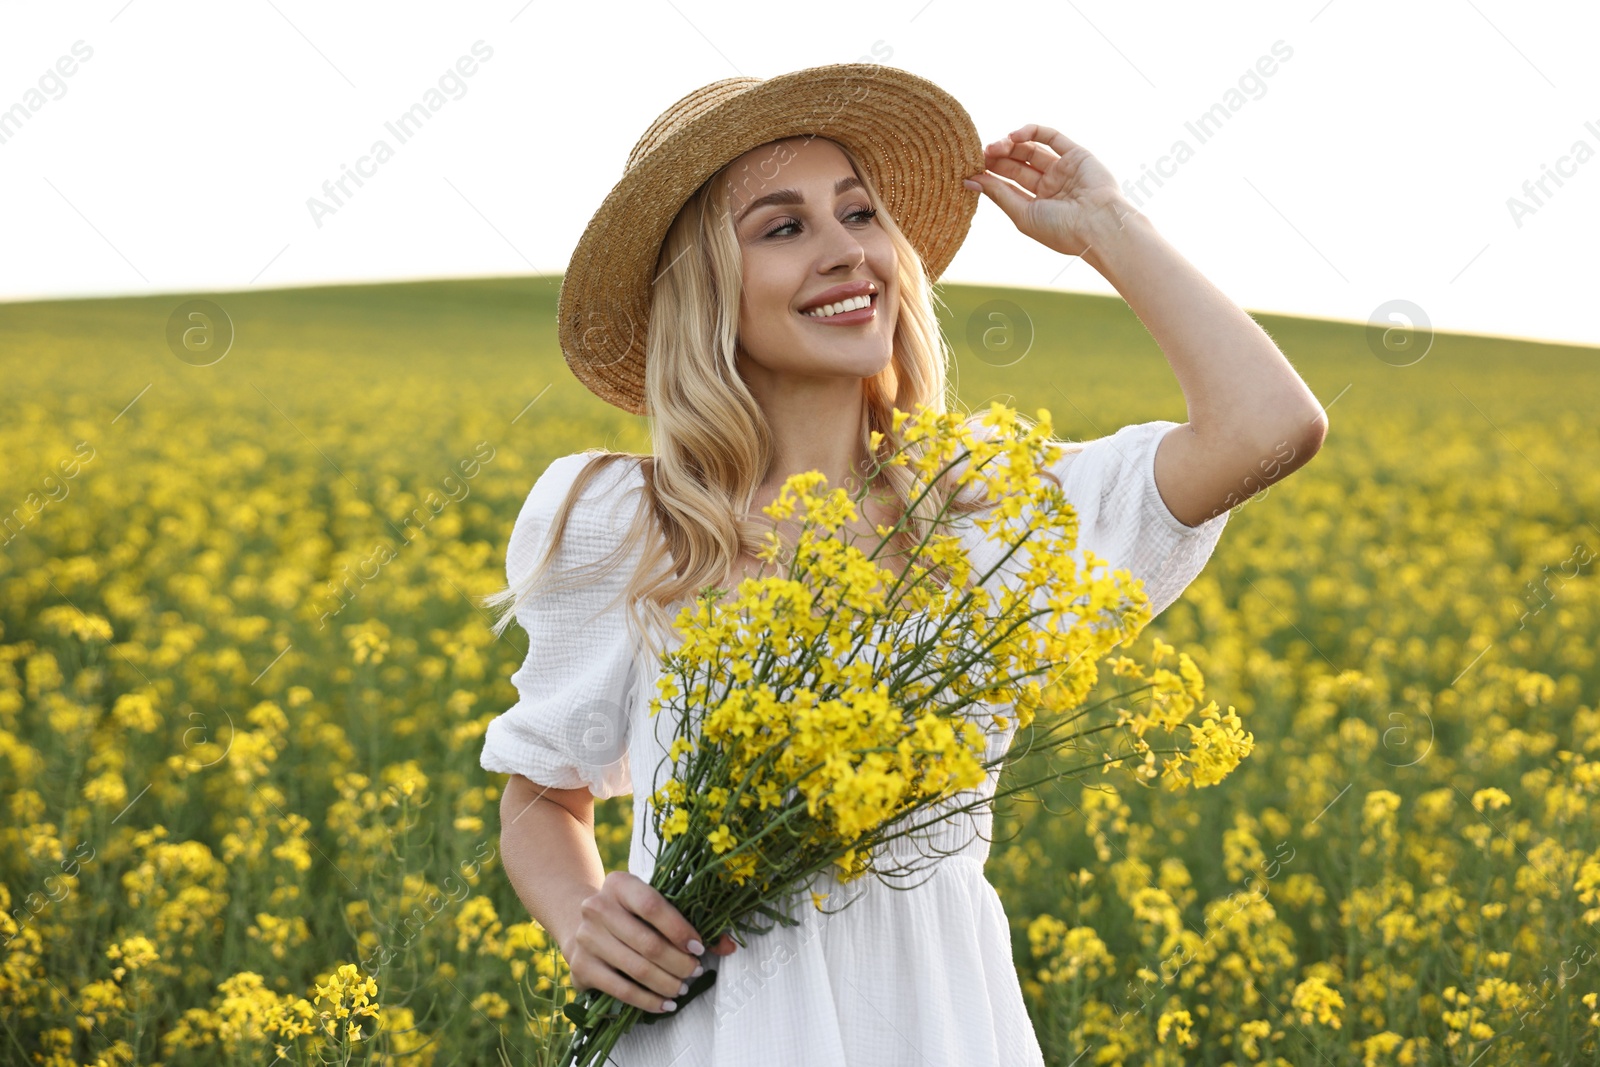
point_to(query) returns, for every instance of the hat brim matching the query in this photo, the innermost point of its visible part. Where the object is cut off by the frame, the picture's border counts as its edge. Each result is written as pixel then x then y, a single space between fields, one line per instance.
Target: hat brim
pixel 916 142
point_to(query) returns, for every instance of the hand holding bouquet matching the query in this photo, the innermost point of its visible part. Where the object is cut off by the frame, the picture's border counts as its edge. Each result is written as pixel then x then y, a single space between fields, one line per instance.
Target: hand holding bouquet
pixel 835 705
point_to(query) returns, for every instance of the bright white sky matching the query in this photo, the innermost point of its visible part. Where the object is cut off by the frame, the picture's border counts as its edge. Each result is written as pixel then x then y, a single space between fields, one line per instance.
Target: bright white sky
pixel 1374 164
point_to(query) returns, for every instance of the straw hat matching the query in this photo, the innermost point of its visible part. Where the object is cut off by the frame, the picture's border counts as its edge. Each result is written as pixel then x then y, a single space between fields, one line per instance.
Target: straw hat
pixel 914 140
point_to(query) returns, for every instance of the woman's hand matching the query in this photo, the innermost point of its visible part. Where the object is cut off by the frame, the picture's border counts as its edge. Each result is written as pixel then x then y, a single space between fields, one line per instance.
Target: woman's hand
pixel 632 943
pixel 1061 195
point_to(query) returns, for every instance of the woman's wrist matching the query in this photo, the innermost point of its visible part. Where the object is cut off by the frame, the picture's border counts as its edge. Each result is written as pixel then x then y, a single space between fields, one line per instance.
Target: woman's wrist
pixel 563 908
pixel 1116 234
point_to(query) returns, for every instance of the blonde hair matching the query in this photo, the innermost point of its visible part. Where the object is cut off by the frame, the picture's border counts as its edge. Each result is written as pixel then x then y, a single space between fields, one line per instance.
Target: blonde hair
pixel 712 443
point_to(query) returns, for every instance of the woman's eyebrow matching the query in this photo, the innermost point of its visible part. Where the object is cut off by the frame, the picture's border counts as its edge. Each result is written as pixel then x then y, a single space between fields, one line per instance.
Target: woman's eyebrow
pixel 792 196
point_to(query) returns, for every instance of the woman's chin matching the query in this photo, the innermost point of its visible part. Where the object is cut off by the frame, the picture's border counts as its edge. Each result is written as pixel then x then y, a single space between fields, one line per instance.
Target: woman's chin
pixel 858 360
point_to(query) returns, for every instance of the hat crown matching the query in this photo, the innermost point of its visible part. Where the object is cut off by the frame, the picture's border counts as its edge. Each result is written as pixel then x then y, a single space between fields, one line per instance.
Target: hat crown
pixel 684 112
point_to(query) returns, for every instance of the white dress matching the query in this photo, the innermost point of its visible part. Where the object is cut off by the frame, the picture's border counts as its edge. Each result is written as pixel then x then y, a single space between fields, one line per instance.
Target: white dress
pixel 918 976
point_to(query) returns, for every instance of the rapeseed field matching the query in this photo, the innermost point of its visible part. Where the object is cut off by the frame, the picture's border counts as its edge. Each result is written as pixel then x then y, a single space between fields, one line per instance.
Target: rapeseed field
pixel 245 674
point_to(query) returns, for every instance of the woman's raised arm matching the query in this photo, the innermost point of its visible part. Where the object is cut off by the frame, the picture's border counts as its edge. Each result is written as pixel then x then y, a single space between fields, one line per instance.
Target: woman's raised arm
pixel 1252 420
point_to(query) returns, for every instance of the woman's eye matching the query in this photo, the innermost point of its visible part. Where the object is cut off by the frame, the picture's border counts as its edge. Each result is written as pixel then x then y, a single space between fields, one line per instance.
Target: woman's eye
pixel 866 215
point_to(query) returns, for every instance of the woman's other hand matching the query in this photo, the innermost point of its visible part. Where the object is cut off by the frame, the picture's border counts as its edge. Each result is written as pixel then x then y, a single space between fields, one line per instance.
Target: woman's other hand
pixel 1062 193
pixel 633 944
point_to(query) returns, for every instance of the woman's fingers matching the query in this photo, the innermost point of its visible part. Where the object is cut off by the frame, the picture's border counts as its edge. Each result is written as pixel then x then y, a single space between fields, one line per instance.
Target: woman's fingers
pixel 629 927
pixel 643 900
pixel 1030 155
pixel 1007 195
pixel 607 957
pixel 594 973
pixel 653 960
pixel 624 958
pixel 1024 176
pixel 635 945
pixel 1045 135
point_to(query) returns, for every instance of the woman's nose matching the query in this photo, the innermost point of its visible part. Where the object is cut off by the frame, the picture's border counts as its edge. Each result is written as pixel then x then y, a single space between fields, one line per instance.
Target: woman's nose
pixel 844 247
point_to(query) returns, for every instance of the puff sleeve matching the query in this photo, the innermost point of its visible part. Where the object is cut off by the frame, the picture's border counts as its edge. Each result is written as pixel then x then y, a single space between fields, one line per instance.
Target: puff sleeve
pixel 1111 482
pixel 570 724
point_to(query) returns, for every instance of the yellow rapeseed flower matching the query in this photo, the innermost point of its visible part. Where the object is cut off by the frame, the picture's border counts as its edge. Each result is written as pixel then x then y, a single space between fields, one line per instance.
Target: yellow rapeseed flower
pixel 1317 1002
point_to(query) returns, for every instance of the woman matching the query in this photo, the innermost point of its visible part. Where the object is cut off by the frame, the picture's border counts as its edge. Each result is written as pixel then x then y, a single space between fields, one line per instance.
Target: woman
pixel 759 284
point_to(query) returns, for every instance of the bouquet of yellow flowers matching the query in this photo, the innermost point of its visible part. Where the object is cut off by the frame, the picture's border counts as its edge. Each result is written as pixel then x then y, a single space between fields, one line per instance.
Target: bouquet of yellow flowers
pixel 833 707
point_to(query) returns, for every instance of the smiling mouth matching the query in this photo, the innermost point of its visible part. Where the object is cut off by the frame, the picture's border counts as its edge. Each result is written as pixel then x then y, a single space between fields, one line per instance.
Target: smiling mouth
pixel 862 313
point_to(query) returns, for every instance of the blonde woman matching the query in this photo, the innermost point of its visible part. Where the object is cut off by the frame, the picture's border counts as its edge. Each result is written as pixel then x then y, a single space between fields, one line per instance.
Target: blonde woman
pixel 759 285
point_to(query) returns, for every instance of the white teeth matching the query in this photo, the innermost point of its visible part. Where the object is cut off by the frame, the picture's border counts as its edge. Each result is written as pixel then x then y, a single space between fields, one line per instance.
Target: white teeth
pixel 829 310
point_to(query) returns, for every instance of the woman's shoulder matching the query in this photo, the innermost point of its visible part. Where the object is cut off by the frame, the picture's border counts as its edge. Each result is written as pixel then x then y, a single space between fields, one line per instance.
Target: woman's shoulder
pixel 605 477
pixel 603 488
pixel 610 467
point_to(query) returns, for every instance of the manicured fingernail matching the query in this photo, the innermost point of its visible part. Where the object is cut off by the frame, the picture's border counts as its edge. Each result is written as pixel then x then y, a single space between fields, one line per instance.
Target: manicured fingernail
pixel 695 948
pixel 970 184
pixel 670 1005
pixel 683 987
pixel 699 969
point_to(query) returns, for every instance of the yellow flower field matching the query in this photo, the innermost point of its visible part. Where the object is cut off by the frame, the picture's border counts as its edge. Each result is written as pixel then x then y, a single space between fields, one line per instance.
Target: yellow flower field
pixel 245 673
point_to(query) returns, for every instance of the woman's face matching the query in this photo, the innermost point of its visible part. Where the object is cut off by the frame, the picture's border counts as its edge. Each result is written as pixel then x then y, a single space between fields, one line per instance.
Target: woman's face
pixel 806 227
